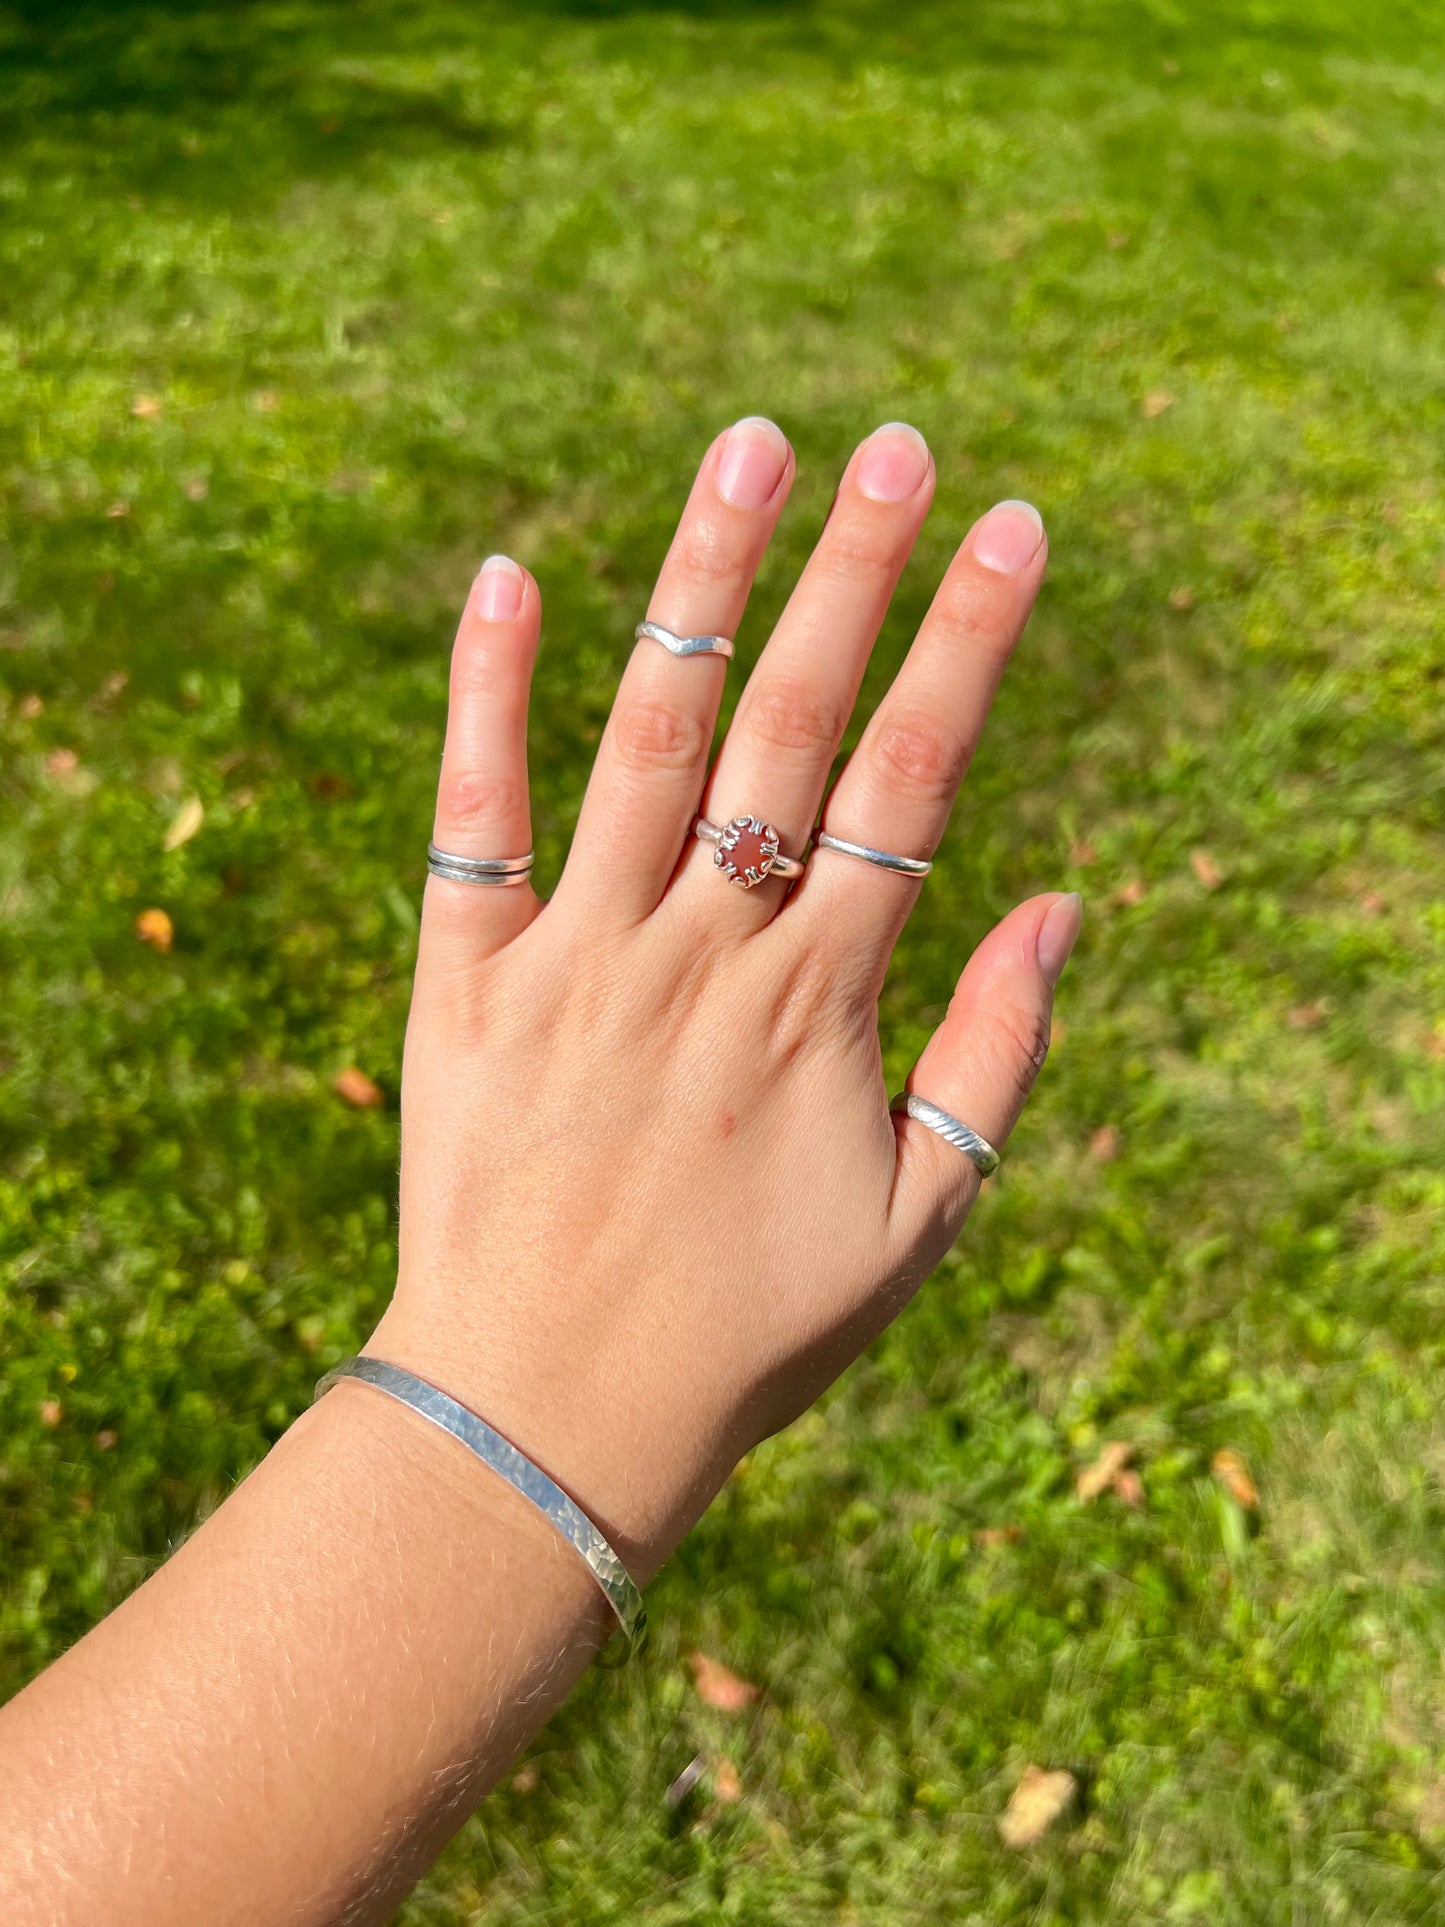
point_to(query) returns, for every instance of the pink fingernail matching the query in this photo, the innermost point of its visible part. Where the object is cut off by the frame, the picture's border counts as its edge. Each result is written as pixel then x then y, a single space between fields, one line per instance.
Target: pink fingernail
pixel 1058 933
pixel 894 463
pixel 500 586
pixel 751 463
pixel 1008 537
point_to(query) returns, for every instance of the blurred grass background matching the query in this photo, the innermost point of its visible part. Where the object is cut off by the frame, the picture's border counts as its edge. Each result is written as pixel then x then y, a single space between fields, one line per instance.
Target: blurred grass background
pixel 306 307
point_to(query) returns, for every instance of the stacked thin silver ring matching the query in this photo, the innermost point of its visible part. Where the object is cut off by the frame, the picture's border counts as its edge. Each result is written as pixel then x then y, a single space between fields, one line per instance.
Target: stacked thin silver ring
pixel 496 871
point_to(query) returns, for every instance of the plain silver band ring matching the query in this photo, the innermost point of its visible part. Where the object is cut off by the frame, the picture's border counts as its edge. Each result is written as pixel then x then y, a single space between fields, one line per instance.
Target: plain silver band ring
pixel 781 866
pixel 496 871
pixel 682 645
pixel 949 1127
pixel 904 866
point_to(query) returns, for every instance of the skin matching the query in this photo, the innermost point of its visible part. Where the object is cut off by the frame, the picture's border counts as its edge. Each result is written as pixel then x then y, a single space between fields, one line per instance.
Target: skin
pixel 652 1203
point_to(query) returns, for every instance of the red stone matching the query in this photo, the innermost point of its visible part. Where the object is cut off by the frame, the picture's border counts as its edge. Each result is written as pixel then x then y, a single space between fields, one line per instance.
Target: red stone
pixel 746 852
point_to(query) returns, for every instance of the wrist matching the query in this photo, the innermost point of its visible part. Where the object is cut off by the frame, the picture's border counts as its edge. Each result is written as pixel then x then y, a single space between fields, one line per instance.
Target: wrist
pixel 602 1445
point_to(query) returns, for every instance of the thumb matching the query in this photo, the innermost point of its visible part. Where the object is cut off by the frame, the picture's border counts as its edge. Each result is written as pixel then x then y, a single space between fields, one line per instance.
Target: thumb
pixel 980 1065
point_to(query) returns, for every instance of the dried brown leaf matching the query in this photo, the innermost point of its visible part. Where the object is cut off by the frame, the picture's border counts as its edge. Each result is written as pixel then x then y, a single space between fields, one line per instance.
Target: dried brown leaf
pixel 155 928
pixel 1131 894
pixel 727 1783
pixel 719 1687
pixel 146 407
pixel 50 1413
pixel 105 1441
pixel 1100 1476
pixel 32 706
pixel 524 1780
pixel 185 823
pixel 998 1535
pixel 1229 1468
pixel 357 1088
pixel 1307 1017
pixel 1037 1802
pixel 1129 1487
pixel 1104 1144
pixel 117 510
pixel 1083 853
pixel 1181 598
pixel 1206 869
pixel 1155 403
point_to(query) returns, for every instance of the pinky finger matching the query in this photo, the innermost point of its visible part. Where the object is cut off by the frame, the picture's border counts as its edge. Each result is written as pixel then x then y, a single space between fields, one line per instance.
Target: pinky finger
pixel 979 1065
pixel 483 806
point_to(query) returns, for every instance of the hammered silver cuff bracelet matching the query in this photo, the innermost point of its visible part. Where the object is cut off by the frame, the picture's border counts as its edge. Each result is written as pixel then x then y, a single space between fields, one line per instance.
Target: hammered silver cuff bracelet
pixel 518 1470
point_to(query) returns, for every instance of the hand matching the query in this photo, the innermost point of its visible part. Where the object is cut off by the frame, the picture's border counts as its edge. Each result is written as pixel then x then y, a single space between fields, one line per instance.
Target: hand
pixel 652 1199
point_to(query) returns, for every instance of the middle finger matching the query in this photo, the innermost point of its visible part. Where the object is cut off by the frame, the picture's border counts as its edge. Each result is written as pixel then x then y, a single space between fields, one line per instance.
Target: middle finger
pixel 791 717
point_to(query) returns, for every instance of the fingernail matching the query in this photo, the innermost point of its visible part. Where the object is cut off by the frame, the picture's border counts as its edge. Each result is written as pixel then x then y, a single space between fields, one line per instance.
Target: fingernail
pixel 500 584
pixel 1008 537
pixel 894 463
pixel 754 455
pixel 1058 933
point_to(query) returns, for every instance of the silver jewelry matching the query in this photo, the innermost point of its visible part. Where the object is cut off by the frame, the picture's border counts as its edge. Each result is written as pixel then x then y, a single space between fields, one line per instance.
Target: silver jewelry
pixel 904 866
pixel 746 850
pixel 518 1470
pixel 498 871
pixel 953 1129
pixel 682 645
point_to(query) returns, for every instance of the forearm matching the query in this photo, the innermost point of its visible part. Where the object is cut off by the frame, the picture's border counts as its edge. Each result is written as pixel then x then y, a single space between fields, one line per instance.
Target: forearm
pixel 341 1661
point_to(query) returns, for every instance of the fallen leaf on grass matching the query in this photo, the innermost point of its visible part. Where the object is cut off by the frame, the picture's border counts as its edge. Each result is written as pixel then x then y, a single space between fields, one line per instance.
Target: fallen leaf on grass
pixel 1372 903
pixel 117 511
pixel 719 1687
pixel 1181 598
pixel 1037 1801
pixel 1307 1017
pixel 1129 1488
pixel 998 1535
pixel 1104 1144
pixel 1206 869
pixel 1100 1476
pixel 155 928
pixel 1083 853
pixel 105 1441
pixel 185 823
pixel 1131 894
pixel 727 1786
pixel 1229 1468
pixel 146 407
pixel 61 763
pixel 49 1413
pixel 32 706
pixel 197 489
pixel 524 1780
pixel 1155 403
pixel 357 1088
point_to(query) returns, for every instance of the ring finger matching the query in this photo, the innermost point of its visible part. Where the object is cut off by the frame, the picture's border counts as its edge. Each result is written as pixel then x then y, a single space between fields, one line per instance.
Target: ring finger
pixel 792 715
pixel 899 785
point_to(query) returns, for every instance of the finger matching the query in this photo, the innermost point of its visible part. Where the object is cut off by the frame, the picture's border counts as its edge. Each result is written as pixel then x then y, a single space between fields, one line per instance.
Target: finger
pixel 792 715
pixel 980 1065
pixel 899 785
pixel 483 808
pixel 648 778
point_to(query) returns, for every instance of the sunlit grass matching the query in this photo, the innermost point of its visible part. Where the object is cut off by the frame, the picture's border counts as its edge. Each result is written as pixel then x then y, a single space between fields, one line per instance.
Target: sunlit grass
pixel 303 310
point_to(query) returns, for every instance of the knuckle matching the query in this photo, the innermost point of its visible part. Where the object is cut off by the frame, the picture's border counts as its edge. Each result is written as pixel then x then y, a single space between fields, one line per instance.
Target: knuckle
pixel 921 755
pixel 858 547
pixel 704 555
pixel 477 799
pixel 652 736
pixel 1023 1039
pixel 974 622
pixel 786 715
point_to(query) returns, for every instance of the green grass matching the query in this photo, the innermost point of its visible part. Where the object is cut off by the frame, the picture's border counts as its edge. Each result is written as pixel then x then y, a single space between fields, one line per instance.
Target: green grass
pixel 411 282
